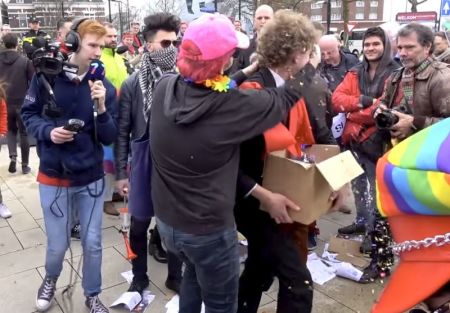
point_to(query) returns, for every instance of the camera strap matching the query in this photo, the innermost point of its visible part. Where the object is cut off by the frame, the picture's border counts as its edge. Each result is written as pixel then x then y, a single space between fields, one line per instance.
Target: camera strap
pixel 393 87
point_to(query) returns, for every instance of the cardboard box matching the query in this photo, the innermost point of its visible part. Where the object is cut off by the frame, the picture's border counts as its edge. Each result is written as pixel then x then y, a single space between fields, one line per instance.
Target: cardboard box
pixel 310 185
pixel 348 251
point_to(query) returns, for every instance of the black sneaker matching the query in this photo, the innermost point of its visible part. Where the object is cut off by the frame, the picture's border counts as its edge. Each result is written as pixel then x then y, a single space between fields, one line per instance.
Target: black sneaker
pixel 75 232
pixel 95 305
pixel 45 294
pixel 12 167
pixel 26 169
pixel 353 229
pixel 138 286
pixel 173 284
pixel 366 246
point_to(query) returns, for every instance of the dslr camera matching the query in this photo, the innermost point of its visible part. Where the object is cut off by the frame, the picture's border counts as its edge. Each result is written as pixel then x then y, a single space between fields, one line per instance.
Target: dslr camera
pixel 386 118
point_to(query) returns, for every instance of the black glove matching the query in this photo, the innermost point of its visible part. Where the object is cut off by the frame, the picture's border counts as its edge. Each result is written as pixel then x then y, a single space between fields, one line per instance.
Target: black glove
pixel 365 101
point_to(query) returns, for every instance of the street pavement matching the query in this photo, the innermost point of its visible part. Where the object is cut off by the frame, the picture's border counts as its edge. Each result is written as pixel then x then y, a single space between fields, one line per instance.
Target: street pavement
pixel 22 255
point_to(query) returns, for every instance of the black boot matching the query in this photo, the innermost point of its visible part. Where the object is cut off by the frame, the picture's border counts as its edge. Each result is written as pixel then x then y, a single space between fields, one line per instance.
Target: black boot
pixel 155 248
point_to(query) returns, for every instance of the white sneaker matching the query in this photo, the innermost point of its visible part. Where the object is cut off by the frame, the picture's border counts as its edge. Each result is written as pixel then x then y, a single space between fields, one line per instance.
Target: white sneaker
pixel 4 211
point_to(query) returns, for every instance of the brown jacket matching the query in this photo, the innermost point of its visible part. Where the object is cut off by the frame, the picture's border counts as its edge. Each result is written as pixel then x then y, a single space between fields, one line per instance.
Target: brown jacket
pixel 431 94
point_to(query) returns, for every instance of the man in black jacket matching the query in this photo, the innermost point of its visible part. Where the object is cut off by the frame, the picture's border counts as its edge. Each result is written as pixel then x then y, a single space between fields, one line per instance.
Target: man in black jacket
pixel 136 99
pixel 263 14
pixel 11 61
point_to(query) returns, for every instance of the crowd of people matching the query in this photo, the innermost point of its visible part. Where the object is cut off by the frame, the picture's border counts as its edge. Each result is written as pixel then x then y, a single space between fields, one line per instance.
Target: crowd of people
pixel 192 110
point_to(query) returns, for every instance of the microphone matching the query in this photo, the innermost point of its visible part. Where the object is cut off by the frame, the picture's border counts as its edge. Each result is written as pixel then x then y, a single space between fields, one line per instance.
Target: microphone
pixel 96 72
pixel 121 49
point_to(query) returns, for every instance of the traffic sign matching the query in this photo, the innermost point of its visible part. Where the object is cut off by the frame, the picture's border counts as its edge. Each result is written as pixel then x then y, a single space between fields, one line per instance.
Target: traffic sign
pixel 445 7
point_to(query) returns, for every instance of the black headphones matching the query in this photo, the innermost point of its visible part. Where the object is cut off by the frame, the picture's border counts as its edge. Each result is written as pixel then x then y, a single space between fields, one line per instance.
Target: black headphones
pixel 73 39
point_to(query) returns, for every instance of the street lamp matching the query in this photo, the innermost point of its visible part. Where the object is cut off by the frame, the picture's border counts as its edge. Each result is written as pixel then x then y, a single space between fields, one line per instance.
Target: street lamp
pixel 328 2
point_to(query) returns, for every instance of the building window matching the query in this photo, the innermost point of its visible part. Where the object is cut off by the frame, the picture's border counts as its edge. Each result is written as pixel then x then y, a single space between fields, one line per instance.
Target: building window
pixel 19 1
pixel 316 18
pixel 373 16
pixel 360 4
pixel 23 22
pixel 374 4
pixel 336 4
pixel 336 17
pixel 316 5
pixel 359 16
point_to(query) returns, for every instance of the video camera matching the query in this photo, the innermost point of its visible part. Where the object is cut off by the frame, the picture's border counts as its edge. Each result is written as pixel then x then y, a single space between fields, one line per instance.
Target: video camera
pixel 386 118
pixel 48 60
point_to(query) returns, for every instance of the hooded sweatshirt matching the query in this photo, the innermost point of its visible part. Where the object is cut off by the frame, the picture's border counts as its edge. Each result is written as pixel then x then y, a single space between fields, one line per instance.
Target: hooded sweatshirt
pixel 355 95
pixel 195 137
pixel 12 62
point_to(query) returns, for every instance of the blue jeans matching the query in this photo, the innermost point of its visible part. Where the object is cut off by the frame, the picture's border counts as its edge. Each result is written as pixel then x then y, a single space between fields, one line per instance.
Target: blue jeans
pixel 57 204
pixel 212 268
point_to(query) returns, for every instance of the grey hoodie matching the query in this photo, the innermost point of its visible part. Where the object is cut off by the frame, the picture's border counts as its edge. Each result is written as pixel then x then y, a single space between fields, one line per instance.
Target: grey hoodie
pixel 195 138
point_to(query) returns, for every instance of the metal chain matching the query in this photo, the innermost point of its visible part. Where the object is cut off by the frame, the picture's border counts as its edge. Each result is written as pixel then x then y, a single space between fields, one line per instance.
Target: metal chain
pixel 408 245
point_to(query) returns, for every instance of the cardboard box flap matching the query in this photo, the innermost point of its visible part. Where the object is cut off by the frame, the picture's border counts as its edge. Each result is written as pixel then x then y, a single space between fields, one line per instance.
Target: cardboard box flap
pixel 321 153
pixel 340 169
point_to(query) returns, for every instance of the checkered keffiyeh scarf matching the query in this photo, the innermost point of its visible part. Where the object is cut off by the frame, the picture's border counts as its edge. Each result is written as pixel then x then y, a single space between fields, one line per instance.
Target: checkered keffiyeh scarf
pixel 153 65
pixel 407 81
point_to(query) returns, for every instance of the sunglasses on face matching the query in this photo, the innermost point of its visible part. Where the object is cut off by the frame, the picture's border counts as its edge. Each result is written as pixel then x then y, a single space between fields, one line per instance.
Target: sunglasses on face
pixel 166 43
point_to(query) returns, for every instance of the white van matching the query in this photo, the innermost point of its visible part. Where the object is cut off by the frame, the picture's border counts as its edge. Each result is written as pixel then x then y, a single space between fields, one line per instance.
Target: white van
pixel 355 40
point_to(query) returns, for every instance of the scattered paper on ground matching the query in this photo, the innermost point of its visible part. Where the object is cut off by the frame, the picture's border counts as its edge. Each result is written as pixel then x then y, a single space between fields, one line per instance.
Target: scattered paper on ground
pixel 173 305
pixel 128 276
pixel 320 272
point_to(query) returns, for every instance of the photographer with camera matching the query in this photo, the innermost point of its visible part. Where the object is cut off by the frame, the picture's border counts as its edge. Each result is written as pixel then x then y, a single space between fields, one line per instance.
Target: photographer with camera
pixel 356 97
pixel 71 155
pixel 417 95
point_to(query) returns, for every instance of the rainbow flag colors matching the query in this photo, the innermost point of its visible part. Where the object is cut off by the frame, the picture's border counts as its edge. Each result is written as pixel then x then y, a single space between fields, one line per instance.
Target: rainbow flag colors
pixel 414 177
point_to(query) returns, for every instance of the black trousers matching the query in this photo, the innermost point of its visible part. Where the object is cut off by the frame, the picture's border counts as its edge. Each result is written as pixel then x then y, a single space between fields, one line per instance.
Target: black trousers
pixel 15 125
pixel 272 252
pixel 139 245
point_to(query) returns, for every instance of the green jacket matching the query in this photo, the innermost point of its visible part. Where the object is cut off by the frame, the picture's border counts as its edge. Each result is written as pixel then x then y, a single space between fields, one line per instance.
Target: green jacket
pixel 115 69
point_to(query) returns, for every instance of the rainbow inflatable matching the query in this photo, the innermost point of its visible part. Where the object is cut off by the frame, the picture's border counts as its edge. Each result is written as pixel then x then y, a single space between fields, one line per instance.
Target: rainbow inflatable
pixel 416 174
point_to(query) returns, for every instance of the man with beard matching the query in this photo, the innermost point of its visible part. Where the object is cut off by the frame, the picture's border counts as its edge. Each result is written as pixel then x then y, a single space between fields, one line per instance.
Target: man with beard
pixel 116 72
pixel 136 98
pixel 441 49
pixel 420 92
pixel 356 97
pixel 115 69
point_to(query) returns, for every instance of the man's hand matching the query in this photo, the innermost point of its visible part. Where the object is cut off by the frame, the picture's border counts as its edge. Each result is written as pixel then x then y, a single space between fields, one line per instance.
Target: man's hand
pixel 252 68
pixel 59 135
pixel 275 204
pixel 404 126
pixel 338 198
pixel 379 109
pixel 141 50
pixel 98 91
pixel 122 187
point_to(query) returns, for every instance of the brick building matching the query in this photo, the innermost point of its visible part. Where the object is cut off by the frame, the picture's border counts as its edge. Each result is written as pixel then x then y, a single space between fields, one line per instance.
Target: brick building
pixel 362 13
pixel 48 12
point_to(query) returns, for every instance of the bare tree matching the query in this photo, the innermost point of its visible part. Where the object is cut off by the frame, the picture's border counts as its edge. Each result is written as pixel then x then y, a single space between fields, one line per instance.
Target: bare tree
pixel 169 6
pixel 415 3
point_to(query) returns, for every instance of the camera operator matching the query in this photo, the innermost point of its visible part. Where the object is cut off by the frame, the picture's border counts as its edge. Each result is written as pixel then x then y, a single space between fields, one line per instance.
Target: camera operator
pixel 419 92
pixel 71 162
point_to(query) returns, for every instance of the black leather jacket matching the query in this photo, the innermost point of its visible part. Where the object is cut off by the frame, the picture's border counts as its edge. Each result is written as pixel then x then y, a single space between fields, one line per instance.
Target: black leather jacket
pixel 131 122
